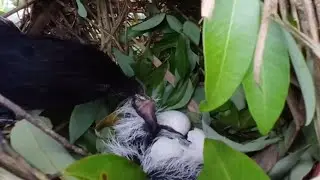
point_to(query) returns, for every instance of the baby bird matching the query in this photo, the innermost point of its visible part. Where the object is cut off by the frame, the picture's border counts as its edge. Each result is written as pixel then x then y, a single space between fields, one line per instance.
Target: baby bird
pixel 162 143
pixel 45 72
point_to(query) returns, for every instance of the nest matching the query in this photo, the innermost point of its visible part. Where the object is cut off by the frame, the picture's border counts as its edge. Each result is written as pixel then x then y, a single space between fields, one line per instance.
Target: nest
pixel 102 25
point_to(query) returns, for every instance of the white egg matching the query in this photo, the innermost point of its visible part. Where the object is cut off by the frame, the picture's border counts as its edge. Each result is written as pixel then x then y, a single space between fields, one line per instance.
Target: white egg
pixel 165 148
pixel 176 120
pixel 196 137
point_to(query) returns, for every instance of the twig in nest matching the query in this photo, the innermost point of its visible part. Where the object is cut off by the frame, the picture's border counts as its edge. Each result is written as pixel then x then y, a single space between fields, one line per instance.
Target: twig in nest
pixel 283 5
pixel 310 43
pixel 23 6
pixel 312 20
pixel 22 113
pixel 270 7
pixel 298 114
pixel 317 5
pixel 110 35
pixel 14 163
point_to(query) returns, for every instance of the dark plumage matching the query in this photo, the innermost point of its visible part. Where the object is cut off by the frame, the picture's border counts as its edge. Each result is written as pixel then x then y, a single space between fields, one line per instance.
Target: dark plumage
pixel 44 72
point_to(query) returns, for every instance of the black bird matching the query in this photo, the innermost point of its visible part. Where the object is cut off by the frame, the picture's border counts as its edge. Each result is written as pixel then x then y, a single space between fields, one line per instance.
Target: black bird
pixel 45 72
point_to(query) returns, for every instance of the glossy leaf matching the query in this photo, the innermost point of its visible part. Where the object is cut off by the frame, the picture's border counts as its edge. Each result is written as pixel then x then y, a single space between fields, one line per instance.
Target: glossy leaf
pixel 150 23
pixel 83 116
pixel 182 63
pixel 303 75
pixel 252 146
pixel 124 62
pixel 229 39
pixel 192 31
pixel 39 149
pixel 266 101
pixel 111 167
pixel 224 163
pixel 174 23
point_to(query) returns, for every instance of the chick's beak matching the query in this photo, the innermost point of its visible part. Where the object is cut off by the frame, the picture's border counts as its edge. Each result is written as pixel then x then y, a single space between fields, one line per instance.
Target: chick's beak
pixel 146 108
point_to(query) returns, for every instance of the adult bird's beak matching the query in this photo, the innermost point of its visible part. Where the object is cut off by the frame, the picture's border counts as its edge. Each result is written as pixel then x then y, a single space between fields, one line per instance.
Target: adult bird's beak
pixel 145 107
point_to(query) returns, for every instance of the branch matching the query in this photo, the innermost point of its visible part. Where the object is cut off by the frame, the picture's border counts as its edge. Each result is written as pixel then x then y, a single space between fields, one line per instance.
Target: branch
pixel 22 113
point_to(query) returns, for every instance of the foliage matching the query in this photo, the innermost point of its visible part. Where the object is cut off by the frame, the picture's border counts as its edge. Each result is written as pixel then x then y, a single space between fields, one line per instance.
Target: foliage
pixel 240 118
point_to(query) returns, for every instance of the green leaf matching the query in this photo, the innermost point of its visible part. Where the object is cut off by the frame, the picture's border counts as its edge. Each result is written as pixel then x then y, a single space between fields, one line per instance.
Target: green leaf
pixel 150 23
pixel 230 117
pixel 238 98
pixel 168 41
pixel 174 23
pixel 266 101
pixel 83 116
pixel 199 94
pixel 109 166
pixel 303 168
pixel 182 63
pixel 245 119
pixel 88 141
pixel 286 164
pixel 303 75
pixel 255 145
pixel 124 62
pixel 155 78
pixel 177 94
pixel 193 57
pixel 185 99
pixel 223 163
pixel 229 41
pixel 128 34
pixel 81 9
pixel 192 30
pixel 38 148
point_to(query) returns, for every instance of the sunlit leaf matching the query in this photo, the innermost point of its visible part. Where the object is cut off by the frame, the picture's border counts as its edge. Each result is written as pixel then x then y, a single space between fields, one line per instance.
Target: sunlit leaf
pixel 224 163
pixel 229 39
pixel 303 75
pixel 39 149
pixel 111 167
pixel 150 23
pixel 266 101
